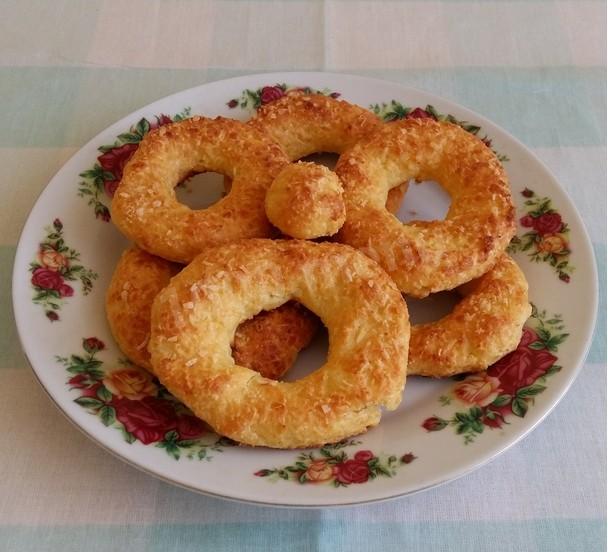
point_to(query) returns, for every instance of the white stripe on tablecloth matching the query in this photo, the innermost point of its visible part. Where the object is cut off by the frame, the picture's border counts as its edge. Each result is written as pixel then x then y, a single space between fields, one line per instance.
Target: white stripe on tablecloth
pixel 178 40
pixel 298 34
pixel 430 34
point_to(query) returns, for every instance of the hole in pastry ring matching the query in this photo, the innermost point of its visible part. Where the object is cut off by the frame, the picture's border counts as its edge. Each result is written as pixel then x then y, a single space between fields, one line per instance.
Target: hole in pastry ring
pixel 146 210
pixel 303 124
pixel 482 328
pixel 268 343
pixel 427 256
pixel 366 364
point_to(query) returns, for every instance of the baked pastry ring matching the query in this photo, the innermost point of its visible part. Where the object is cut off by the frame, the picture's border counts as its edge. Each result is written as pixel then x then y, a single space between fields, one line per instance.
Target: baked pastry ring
pixel 268 343
pixel 305 201
pixel 427 256
pixel 196 315
pixel 303 124
pixel 146 210
pixel 482 328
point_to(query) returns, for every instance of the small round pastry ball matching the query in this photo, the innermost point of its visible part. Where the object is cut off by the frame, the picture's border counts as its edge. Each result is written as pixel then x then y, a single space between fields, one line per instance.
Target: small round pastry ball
pixel 305 201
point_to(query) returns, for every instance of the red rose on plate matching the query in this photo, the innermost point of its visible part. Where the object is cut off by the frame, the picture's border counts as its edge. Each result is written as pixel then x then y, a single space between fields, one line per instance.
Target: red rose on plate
pixel 434 424
pixel 548 223
pixel 190 427
pixel 92 345
pixel 527 221
pixel 528 335
pixel 521 368
pixel 101 211
pixel 352 471
pixel 408 458
pixel 494 418
pixel 161 120
pixel 419 113
pixel 364 455
pixel 87 386
pixel 47 279
pixel 114 162
pixel 148 419
pixel 270 94
pixel 110 187
pixel 65 290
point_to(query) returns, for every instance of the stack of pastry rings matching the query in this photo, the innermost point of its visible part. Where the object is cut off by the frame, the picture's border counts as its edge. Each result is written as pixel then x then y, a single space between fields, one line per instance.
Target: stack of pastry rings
pixel 221 331
pixel 304 201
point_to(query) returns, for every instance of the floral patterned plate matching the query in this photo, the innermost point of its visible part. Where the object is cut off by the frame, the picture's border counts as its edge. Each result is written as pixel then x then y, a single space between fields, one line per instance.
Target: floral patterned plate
pixel 442 430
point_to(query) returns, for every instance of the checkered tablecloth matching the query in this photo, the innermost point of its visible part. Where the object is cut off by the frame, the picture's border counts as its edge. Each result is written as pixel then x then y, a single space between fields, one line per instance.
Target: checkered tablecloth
pixel 69 68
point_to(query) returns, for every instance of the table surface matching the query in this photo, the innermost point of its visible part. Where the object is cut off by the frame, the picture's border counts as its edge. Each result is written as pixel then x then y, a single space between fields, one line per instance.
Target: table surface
pixel 70 68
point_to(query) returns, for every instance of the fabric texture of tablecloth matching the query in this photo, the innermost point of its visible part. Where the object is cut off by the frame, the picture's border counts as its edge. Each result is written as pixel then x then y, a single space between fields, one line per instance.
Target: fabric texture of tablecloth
pixel 70 68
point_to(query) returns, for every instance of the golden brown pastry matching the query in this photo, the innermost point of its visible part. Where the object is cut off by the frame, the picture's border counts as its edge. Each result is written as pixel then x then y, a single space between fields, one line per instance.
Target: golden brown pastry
pixel 303 124
pixel 427 256
pixel 268 343
pixel 196 315
pixel 483 327
pixel 146 210
pixel 305 201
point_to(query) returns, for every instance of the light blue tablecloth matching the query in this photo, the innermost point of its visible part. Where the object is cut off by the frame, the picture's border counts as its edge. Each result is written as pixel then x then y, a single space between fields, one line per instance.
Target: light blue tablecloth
pixel 70 68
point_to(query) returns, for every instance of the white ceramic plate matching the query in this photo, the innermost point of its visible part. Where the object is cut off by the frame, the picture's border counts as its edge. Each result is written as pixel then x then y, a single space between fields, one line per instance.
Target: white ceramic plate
pixel 442 430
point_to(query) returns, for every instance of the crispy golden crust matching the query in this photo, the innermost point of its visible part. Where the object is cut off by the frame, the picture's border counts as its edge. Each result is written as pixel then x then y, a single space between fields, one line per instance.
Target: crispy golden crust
pixel 482 328
pixel 137 279
pixel 146 210
pixel 395 197
pixel 268 343
pixel 195 317
pixel 303 124
pixel 305 201
pixel 427 256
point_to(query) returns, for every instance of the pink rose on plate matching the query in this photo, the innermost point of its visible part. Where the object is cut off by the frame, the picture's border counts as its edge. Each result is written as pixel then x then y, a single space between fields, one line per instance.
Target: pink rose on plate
pixel 553 243
pixel 52 259
pixel 130 383
pixel 480 389
pixel 319 471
